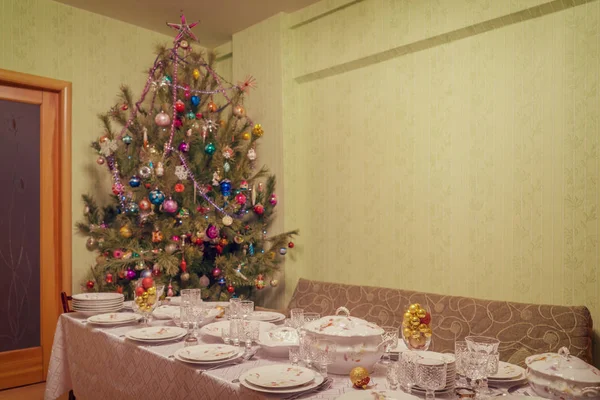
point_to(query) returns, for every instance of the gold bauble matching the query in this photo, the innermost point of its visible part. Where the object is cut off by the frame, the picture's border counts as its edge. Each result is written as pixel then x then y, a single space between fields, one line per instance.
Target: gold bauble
pixel 151 299
pixel 152 290
pixel 274 282
pixel 196 73
pixel 415 334
pixel 145 295
pixel 406 324
pixel 407 332
pixel 423 328
pixel 258 130
pixel 138 300
pixel 407 316
pixel 421 313
pixel 413 308
pixel 359 377
pixel 125 231
pixel 415 321
pixel 246 135
pixel 417 342
pixel 148 307
pixel 428 334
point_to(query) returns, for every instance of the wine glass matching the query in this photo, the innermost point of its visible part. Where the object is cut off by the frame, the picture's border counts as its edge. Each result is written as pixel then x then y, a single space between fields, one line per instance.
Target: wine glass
pixel 489 347
pixel 431 376
pixel 475 367
pixel 390 341
pixel 407 367
pixel 146 297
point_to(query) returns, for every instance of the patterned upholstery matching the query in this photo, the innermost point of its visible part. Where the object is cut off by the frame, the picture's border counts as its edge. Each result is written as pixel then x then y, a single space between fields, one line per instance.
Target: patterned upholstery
pixel 523 329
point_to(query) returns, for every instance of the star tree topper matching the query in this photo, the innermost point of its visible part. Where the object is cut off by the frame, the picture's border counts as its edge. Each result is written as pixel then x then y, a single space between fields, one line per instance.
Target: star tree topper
pixel 184 29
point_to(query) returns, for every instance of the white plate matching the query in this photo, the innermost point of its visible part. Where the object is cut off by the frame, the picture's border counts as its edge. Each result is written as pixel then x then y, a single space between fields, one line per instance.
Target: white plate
pixel 518 379
pixel 448 358
pixel 215 328
pixel 97 296
pixel 152 333
pixel 113 318
pixel 90 313
pixel 128 304
pixel 156 341
pixel 316 382
pixel 217 362
pixel 443 391
pixel 208 352
pixel 167 312
pixel 507 371
pixel 94 308
pixel 376 395
pixel 279 376
pixel 267 316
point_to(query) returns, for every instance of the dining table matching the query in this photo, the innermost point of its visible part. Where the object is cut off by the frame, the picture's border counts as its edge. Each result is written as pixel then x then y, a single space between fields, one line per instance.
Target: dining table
pixel 100 362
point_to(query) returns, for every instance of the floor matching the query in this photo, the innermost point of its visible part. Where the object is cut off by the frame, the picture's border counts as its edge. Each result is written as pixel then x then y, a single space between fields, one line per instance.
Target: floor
pixel 31 392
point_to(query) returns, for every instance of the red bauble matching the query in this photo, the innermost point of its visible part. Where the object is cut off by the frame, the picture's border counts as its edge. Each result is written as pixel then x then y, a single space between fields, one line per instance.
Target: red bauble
pixel 139 291
pixel 124 107
pixel 147 185
pixel 120 289
pixel 291 245
pixel 179 106
pixel 230 289
pixel 122 274
pixel 178 123
pixel 216 272
pixel 183 265
pixel 145 205
pixel 198 115
pixel 179 187
pixel 90 285
pixel 219 249
pixel 240 198
pixel 426 319
pixel 117 188
pixel 147 283
pixel 109 278
pixel 259 209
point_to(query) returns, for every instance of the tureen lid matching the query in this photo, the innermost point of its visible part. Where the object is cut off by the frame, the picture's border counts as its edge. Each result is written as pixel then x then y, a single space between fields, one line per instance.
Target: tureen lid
pixel 343 325
pixel 281 336
pixel 564 365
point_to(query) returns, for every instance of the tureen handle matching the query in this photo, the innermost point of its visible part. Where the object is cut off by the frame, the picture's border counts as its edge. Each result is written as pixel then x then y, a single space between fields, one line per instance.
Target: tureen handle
pixel 564 352
pixel 342 310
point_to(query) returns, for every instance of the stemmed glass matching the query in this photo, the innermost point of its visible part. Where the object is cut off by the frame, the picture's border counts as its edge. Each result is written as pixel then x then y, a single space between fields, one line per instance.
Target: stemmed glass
pixel 431 376
pixel 390 341
pixel 489 347
pixel 407 370
pixel 475 368
pixel 323 353
pixel 146 299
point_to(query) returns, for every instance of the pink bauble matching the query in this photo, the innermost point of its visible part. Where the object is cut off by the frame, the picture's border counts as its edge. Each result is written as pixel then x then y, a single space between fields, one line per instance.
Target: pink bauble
pixel 204 281
pixel 162 119
pixel 212 231
pixel 117 253
pixel 216 272
pixel 240 198
pixel 170 206
pixel 273 199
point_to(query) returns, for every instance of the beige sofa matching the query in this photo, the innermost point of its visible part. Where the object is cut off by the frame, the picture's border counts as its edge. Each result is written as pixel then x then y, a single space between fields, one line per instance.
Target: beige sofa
pixel 523 329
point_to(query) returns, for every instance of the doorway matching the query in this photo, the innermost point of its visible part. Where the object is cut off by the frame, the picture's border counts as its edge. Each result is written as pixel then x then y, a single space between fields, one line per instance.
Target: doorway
pixel 35 221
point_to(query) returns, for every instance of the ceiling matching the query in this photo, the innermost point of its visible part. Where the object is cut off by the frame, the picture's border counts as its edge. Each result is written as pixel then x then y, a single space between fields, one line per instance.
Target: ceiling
pixel 219 19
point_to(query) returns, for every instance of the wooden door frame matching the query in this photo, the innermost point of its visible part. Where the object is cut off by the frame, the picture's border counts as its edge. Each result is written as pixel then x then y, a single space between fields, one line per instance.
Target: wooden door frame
pixel 61 225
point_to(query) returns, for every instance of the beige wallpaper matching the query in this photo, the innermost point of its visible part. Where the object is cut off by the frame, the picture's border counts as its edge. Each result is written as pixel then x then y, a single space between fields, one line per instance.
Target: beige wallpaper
pixel 444 146
pixel 96 54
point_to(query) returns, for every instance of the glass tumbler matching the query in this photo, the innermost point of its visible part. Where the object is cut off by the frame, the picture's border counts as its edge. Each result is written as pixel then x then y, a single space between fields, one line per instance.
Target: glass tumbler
pixel 460 348
pixel 488 346
pixel 390 341
pixel 431 376
pixel 407 370
pixel 297 318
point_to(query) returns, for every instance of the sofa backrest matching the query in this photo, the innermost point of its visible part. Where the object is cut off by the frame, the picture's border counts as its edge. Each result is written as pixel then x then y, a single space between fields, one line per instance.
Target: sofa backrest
pixel 523 329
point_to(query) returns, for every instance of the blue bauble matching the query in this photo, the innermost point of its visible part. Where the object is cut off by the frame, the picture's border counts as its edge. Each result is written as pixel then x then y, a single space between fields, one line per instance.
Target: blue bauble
pixel 156 197
pixel 210 149
pixel 221 281
pixel 195 100
pixel 132 208
pixel 135 181
pixel 127 139
pixel 225 187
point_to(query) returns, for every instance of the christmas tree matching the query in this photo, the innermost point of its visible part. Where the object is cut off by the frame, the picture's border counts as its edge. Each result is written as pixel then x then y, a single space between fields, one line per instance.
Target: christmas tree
pixel 190 208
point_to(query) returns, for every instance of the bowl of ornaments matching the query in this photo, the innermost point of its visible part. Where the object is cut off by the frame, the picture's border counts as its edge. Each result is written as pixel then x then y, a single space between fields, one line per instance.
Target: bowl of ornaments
pixel 416 327
pixel 146 297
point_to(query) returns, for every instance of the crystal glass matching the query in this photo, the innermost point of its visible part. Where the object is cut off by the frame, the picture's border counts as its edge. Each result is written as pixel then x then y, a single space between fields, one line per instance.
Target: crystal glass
pixel 294 354
pixel 146 299
pixel 246 308
pixel 390 341
pixel 305 343
pixel 251 331
pixel 225 335
pixel 460 348
pixel 234 307
pixel 406 371
pixel 431 376
pixel 311 316
pixel 391 375
pixel 323 353
pixel 297 317
pixel 235 330
pixel 190 340
pixel 488 346
pixel 475 367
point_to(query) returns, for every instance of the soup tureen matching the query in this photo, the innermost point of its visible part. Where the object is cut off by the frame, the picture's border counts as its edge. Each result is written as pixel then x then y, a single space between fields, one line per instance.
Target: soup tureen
pixel 358 342
pixel 562 376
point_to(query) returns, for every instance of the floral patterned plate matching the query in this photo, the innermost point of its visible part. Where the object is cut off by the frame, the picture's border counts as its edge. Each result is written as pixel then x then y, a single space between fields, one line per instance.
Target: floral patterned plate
pixel 279 376
pixel 153 333
pixel 376 395
pixel 507 371
pixel 208 352
pixel 113 318
pixel 296 389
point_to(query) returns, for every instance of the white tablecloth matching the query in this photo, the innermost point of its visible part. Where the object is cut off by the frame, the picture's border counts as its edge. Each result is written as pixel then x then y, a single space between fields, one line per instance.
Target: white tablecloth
pixel 99 363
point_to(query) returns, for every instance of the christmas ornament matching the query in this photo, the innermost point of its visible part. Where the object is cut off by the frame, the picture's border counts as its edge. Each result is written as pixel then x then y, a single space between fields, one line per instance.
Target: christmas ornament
pixel 157 237
pixel 187 91
pixel 259 282
pixel 100 160
pixel 251 154
pixel 145 172
pixel 251 249
pixel 183 265
pixel 175 238
pixel 178 123
pixel 127 139
pixel 230 289
pixel 125 231
pixel 184 213
pixel 195 100
pixel 291 245
pixel 282 251
pixel 156 270
pixel 124 107
pixel 90 285
pixel 225 186
pixel 260 187
pixel 184 147
pixel 179 106
pixel 190 115
pixel 271 255
pixel 108 147
pixel 226 167
pixel 239 111
pixel 240 198
pixel 227 152
pixel 227 220
pixel 144 205
pixel 135 181
pixel 108 278
pixel 103 139
pixel 179 187
pixel 139 291
pixel 130 274
pixel 238 239
pixel 204 281
pixel 170 290
pixel 273 200
pixel 120 289
pixel 212 231
pixel 359 377
pixel 216 272
pixel 212 107
pixel 146 274
pixel 274 282
pixel 160 169
pixel 244 185
pixel 196 73
pixel 246 136
pixel 259 209
pixel 170 248
pixel 210 149
pixel 117 188
pixel 416 330
pixel 132 208
pixel 140 266
pixel 185 277
pixel 170 206
pixel 221 281
pixel 162 119
pixel 91 244
pixel 156 197
pixel 257 130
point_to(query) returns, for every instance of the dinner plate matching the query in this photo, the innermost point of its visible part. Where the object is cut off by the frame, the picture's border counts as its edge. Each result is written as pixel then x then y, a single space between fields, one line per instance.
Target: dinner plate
pixel 208 352
pixel 318 379
pixel 217 362
pixel 156 341
pixel 153 333
pixel 279 376
pixel 113 318
pixel 447 389
pixel 103 307
pixel 518 379
pixel 507 371
pixel 376 395
pixel 266 316
pixel 215 328
pixel 88 313
pixel 167 312
pixel 446 357
pixel 97 296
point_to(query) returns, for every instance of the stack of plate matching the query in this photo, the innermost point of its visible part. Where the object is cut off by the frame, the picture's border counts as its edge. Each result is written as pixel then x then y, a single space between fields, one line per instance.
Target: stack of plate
pixel 507 374
pixel 281 379
pixel 450 370
pixel 113 319
pixel 97 303
pixel 156 334
pixel 208 354
pixel 266 316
